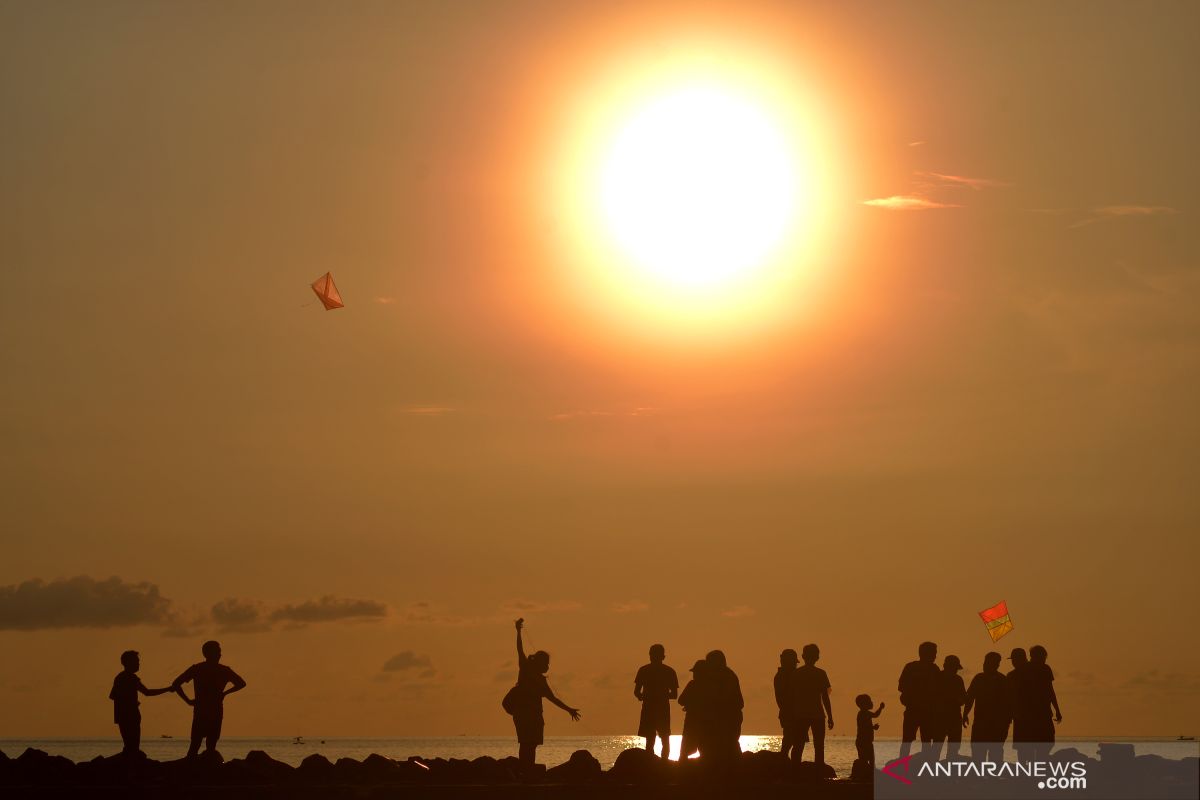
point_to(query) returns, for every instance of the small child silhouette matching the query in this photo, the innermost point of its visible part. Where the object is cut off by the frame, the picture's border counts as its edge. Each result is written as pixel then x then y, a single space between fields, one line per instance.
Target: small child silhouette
pixel 124 694
pixel 656 685
pixel 865 739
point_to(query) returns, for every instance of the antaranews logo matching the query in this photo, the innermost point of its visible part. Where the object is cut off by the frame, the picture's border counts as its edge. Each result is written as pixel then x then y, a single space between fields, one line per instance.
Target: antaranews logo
pixel 1049 774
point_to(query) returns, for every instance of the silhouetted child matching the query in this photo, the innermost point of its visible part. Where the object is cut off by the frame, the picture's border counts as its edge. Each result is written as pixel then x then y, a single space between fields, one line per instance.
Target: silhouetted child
pixel 124 694
pixel 865 738
pixel 656 685
pixel 209 679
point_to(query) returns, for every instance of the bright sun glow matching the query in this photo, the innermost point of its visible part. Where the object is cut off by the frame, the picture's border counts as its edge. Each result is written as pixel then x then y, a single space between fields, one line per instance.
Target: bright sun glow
pixel 699 187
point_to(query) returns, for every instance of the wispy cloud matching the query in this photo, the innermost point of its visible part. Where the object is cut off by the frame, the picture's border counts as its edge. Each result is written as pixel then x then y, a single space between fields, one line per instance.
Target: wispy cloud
pixel 637 411
pixel 522 606
pixel 908 202
pixel 963 180
pixel 426 410
pixel 630 607
pixel 409 662
pixel 1112 212
pixel 738 611
pixel 385 301
pixel 917 143
pixel 240 616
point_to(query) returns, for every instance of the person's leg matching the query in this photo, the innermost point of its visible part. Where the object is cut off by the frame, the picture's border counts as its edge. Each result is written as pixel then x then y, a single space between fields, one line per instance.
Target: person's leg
pixel 801 739
pixel 527 754
pixel 908 731
pixel 818 729
pixel 197 734
pixel 213 734
pixel 130 736
pixel 953 742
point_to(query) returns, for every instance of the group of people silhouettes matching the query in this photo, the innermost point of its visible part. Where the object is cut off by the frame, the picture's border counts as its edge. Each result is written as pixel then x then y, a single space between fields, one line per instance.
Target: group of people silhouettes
pixel 209 679
pixel 937 705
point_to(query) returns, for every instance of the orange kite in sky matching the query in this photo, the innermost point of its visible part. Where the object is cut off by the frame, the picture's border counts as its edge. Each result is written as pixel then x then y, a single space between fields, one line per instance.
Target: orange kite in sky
pixel 327 292
pixel 997 620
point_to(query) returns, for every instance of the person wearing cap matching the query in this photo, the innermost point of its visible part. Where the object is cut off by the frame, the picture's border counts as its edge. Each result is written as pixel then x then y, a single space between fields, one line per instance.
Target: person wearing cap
pixel 988 695
pixel 1019 697
pixel 788 662
pixel 916 686
pixel 948 697
pixel 695 700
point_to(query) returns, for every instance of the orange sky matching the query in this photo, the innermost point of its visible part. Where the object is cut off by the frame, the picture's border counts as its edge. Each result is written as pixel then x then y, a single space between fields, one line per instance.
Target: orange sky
pixel 985 390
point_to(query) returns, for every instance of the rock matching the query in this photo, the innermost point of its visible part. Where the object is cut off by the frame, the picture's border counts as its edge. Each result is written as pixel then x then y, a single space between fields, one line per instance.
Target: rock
pixel 490 771
pixel 1116 753
pixel 582 767
pixel 762 767
pixel 37 766
pixel 809 772
pixel 861 772
pixel 637 767
pixel 315 770
pixel 265 769
pixel 347 771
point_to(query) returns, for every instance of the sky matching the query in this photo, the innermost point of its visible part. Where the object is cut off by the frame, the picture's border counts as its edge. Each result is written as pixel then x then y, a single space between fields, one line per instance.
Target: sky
pixel 971 378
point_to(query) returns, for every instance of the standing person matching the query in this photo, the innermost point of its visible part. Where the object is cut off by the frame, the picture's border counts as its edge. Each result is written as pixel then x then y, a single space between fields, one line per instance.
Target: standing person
pixel 727 704
pixel 696 702
pixel 810 687
pixel 988 694
pixel 916 695
pixel 524 701
pixel 209 679
pixel 124 694
pixel 1019 701
pixel 788 662
pixel 864 739
pixel 656 685
pixel 949 694
pixel 1042 700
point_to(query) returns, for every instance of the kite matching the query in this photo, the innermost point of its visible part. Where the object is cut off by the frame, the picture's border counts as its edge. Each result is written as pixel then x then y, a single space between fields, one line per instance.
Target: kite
pixel 997 620
pixel 327 293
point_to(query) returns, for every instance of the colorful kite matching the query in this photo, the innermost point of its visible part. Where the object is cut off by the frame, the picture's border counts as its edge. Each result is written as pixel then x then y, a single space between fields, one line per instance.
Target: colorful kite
pixel 327 293
pixel 997 620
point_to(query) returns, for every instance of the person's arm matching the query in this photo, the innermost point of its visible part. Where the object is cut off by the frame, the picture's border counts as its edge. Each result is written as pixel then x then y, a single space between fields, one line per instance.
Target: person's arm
pixel 574 712
pixel 828 707
pixel 674 690
pixel 177 686
pixel 151 692
pixel 238 684
pixel 1054 703
pixel 875 714
pixel 966 718
pixel 637 685
pixel 520 647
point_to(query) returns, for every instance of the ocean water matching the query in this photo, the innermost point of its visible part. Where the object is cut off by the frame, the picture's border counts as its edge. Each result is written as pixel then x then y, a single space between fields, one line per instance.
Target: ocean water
pixel 839 751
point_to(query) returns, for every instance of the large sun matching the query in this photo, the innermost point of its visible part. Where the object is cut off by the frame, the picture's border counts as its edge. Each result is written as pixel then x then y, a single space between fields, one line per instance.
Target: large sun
pixel 698 187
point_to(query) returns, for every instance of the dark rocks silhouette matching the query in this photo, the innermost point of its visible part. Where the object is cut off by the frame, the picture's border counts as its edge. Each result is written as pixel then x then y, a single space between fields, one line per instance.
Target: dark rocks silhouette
pixel 582 767
pixel 639 768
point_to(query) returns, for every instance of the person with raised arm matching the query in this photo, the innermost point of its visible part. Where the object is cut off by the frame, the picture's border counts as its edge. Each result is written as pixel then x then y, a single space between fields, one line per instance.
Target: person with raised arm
pixel 524 701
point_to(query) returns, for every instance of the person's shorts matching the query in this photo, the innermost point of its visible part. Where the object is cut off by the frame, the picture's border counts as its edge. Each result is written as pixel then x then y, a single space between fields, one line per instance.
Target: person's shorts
pixel 530 728
pixel 206 725
pixel 815 724
pixel 655 720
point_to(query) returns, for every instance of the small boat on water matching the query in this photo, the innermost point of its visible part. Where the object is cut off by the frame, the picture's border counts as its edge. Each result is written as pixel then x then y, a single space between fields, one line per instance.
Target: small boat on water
pixel 298 740
pixel 1186 739
pixel 165 736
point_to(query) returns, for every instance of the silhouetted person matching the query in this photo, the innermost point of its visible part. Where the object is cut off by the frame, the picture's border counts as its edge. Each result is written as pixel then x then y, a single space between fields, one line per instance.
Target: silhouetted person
pixel 916 687
pixel 722 741
pixel 527 700
pixel 1042 700
pixel 696 702
pixel 788 662
pixel 949 694
pixel 988 694
pixel 209 679
pixel 1020 702
pixel 810 688
pixel 124 695
pixel 864 738
pixel 656 685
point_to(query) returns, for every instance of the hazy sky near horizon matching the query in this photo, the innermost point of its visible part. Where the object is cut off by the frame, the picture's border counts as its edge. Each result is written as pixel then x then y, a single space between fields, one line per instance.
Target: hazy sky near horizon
pixel 987 391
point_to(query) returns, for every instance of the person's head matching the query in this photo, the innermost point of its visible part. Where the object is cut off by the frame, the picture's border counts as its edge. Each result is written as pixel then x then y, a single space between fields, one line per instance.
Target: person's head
pixel 788 658
pixel 810 653
pixel 540 661
pixel 211 651
pixel 1037 654
pixel 715 659
pixel 699 668
pixel 130 660
pixel 991 661
pixel 927 652
pixel 951 664
pixel 863 701
pixel 1018 657
pixel 657 653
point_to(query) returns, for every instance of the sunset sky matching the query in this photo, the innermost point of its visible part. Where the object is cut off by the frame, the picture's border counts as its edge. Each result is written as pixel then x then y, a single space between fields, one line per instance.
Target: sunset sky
pixel 966 371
